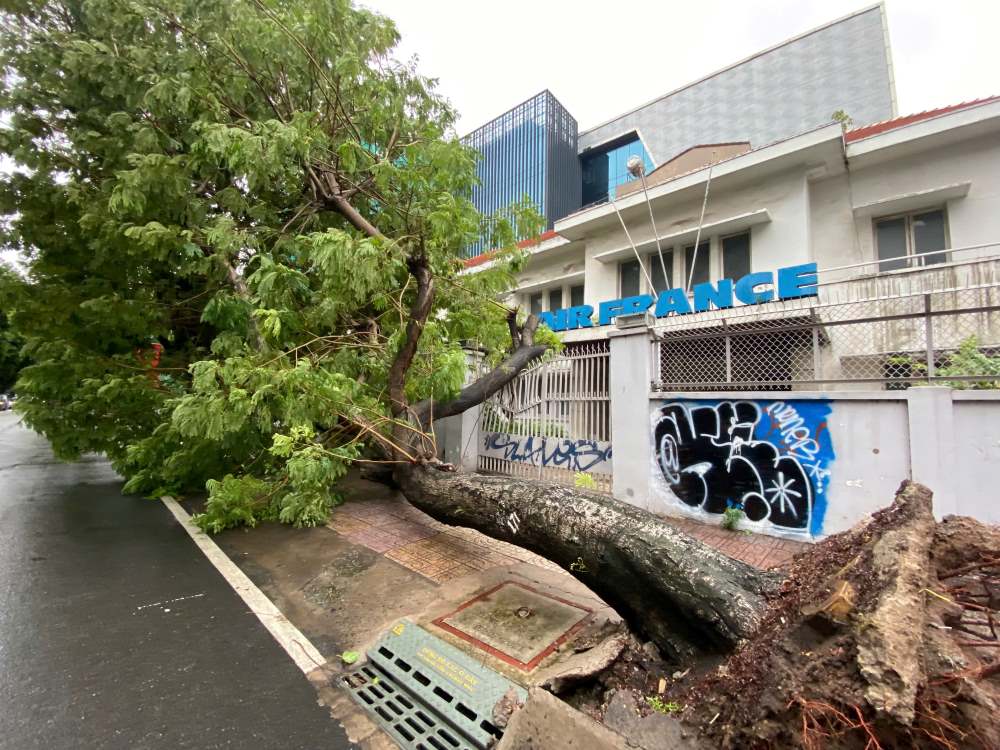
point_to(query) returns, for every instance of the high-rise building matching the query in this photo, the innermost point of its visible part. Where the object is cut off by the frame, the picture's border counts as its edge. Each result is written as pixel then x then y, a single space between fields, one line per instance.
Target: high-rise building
pixel 535 149
pixel 529 150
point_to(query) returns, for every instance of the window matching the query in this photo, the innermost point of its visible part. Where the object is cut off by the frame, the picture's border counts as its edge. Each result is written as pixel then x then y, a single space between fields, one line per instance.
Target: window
pixel 576 295
pixel 628 278
pixel 661 283
pixel 535 302
pixel 736 256
pixel 555 299
pixel 701 266
pixel 898 237
pixel 606 169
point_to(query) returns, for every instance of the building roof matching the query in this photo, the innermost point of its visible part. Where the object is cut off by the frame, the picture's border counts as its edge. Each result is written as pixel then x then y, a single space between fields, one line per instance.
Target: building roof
pixel 865 131
pixel 478 260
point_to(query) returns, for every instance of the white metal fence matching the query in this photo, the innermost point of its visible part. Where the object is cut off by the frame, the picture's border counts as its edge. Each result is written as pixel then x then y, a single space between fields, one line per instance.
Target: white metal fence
pixel 939 326
pixel 553 421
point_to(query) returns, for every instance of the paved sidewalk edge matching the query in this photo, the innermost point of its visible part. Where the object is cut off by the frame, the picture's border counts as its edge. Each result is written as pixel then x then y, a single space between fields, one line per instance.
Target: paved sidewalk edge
pixel 305 655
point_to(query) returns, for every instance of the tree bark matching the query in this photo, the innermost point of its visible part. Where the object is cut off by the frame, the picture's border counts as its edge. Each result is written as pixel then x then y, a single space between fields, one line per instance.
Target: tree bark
pixel 682 594
pixel 523 353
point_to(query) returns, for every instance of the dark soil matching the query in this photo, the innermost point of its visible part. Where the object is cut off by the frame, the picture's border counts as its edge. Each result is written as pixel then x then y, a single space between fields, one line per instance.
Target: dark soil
pixel 798 682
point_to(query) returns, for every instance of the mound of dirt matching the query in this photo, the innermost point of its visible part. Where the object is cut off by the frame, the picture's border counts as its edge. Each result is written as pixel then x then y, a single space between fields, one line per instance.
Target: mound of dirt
pixel 884 636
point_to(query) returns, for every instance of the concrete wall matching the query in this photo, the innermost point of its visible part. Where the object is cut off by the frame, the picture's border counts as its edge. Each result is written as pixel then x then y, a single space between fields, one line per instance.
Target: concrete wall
pixel 802 465
pixel 813 464
pixel 842 207
pixel 976 468
pixel 783 91
pixel 781 242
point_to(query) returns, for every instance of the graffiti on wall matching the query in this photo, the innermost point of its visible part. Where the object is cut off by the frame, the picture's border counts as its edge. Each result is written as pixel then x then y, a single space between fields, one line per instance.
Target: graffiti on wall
pixel 769 458
pixel 559 453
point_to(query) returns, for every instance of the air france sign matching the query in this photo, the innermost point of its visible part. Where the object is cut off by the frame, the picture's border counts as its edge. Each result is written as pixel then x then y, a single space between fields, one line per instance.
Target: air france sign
pixel 753 289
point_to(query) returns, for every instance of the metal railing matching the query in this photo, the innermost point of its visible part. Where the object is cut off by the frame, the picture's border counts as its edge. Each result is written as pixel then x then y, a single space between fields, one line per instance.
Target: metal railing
pixel 941 326
pixel 553 421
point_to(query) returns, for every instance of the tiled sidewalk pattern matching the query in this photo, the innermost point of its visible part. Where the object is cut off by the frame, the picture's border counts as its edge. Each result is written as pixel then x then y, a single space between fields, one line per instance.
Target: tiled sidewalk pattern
pixel 418 542
pixel 758 550
pixel 395 528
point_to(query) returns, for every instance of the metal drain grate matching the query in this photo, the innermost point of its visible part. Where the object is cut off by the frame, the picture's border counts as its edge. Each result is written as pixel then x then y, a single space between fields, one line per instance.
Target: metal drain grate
pixel 427 694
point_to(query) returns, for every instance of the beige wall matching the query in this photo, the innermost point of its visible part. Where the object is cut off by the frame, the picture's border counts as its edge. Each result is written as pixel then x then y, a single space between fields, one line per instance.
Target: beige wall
pixel 688 161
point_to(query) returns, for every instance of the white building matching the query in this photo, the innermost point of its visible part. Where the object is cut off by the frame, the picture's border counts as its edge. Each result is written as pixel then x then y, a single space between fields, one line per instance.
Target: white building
pixel 868 206
pixel 684 414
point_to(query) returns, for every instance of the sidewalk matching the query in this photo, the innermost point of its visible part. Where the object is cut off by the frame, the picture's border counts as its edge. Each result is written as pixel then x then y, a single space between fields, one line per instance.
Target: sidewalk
pixel 394 528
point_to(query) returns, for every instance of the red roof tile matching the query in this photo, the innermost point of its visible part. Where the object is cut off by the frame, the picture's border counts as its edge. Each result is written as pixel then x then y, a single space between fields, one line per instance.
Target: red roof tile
pixel 478 260
pixel 881 127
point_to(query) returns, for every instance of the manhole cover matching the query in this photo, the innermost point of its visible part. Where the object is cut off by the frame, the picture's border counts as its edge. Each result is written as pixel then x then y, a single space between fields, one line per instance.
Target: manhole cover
pixel 515 623
pixel 427 694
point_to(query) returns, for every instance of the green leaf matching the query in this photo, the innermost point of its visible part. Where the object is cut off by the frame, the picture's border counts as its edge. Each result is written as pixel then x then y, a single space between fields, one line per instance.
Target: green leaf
pixel 349 657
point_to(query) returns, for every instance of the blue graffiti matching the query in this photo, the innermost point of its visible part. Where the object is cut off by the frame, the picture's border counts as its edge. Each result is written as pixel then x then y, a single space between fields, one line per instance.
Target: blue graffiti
pixel 575 455
pixel 770 458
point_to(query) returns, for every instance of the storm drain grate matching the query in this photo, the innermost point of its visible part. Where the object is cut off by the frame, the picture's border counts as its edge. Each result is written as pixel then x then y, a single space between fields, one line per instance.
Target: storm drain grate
pixel 427 694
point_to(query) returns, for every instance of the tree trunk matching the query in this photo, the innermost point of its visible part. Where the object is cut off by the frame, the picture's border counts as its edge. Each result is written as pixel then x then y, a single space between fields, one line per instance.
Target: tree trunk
pixel 682 594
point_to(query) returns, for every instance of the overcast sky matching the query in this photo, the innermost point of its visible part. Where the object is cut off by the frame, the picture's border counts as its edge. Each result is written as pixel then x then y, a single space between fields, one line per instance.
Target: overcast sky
pixel 603 59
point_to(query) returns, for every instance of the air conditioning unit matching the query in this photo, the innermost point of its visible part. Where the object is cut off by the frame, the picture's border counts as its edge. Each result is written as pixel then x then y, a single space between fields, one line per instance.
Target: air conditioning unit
pixel 635 320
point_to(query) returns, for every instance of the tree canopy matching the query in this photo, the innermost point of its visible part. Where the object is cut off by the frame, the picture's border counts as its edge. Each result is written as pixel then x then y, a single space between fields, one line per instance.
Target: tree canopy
pixel 242 223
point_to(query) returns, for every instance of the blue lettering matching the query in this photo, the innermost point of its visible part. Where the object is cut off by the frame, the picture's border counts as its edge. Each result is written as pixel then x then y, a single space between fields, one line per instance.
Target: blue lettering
pixel 627 306
pixel 746 292
pixel 706 295
pixel 672 301
pixel 797 281
pixel 609 310
pixel 557 320
pixel 580 317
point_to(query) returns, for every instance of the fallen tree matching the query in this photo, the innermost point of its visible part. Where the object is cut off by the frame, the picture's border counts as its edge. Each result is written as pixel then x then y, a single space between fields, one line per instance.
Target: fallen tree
pixel 684 595
pixel 243 226
pixel 882 636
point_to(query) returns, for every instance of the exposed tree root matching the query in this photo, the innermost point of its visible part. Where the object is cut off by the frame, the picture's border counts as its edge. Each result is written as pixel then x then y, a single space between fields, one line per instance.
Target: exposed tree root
pixel 914 663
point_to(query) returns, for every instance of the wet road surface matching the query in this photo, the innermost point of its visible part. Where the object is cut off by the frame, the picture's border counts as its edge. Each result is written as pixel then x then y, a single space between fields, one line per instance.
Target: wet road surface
pixel 116 632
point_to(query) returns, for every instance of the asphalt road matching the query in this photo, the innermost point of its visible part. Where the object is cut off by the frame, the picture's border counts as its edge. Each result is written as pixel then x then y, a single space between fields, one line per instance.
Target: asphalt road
pixel 116 632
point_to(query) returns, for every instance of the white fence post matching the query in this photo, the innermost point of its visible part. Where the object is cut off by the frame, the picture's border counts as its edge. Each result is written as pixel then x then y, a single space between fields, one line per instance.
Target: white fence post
pixel 932 431
pixel 630 377
pixel 458 436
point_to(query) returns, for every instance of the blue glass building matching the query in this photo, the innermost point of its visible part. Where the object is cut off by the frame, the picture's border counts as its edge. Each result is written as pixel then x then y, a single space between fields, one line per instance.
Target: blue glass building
pixel 605 168
pixel 529 150
pixel 535 149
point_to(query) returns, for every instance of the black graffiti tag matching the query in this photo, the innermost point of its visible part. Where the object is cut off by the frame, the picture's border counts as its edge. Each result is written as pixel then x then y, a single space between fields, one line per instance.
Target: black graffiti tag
pixel 710 459
pixel 577 455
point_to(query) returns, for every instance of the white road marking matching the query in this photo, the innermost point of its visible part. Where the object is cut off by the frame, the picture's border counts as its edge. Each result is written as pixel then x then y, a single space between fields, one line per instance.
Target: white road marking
pixel 305 655
pixel 167 601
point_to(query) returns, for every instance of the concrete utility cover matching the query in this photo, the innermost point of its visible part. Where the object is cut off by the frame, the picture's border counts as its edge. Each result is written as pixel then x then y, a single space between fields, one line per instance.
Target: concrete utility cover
pixel 515 623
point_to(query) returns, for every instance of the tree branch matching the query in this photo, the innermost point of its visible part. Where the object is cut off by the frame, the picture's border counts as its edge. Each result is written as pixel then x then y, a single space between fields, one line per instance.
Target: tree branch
pixel 419 312
pixel 524 353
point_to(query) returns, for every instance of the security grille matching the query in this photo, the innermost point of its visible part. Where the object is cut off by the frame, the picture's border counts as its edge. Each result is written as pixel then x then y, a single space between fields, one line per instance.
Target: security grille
pixel 428 695
pixel 563 400
pixel 948 337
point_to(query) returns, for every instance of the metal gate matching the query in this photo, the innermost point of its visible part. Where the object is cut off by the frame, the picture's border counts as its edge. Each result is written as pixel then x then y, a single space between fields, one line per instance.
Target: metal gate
pixel 553 421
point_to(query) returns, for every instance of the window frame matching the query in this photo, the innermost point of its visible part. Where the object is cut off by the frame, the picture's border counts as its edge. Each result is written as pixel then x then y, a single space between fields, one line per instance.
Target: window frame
pixel 908 236
pixel 621 264
pixel 721 240
pixel 713 249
